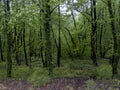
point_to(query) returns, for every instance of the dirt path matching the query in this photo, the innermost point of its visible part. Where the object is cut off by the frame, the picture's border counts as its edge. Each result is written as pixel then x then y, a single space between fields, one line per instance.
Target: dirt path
pixel 77 83
pixel 65 84
pixel 15 85
pixel 55 84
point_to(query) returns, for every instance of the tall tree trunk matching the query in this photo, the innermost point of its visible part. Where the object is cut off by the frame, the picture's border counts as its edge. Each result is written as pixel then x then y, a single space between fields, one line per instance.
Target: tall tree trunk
pixel 1 51
pixel 59 38
pixel 24 46
pixel 115 58
pixel 100 42
pixel 41 13
pixel 101 35
pixel 72 13
pixel 8 35
pixel 30 48
pixel 48 42
pixel 16 46
pixel 69 50
pixel 41 49
pixel 53 34
pixel 93 33
pixel 74 44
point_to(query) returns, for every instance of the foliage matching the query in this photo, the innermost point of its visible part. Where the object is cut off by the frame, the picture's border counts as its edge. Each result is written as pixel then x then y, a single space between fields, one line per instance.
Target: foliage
pixel 90 84
pixel 22 72
pixel 104 71
pixel 2 70
pixel 63 72
pixel 33 27
pixel 39 77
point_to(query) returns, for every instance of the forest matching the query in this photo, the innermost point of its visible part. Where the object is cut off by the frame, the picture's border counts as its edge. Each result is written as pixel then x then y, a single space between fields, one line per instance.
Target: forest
pixel 59 44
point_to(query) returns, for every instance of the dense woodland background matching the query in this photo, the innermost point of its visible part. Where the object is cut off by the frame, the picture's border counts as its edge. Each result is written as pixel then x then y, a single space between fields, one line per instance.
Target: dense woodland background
pixel 59 38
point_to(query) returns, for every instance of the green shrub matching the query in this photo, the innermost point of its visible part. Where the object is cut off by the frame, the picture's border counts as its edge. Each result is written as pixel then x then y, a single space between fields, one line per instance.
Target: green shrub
pixel 90 84
pixel 39 77
pixel 64 72
pixel 2 70
pixel 21 72
pixel 104 71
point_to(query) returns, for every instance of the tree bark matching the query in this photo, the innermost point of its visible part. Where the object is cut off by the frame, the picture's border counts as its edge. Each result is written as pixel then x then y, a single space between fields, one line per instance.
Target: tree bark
pixel 93 33
pixel 48 42
pixel 16 47
pixel 24 46
pixel 115 58
pixel 69 50
pixel 1 51
pixel 8 35
pixel 59 38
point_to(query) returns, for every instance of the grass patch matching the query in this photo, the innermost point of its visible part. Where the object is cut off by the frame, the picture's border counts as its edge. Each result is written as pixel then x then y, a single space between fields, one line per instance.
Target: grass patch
pixel 104 71
pixel 63 72
pixel 39 77
pixel 2 70
pixel 21 72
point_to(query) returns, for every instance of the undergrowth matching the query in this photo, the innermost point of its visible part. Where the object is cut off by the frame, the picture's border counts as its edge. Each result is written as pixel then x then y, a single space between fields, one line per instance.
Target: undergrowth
pixel 39 75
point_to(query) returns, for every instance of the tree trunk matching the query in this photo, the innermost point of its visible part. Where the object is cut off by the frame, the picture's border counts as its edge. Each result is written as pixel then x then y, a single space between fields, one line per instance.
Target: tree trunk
pixel 59 38
pixel 1 51
pixel 47 28
pixel 24 46
pixel 69 50
pixel 115 58
pixel 74 44
pixel 100 41
pixel 53 34
pixel 16 46
pixel 93 33
pixel 72 13
pixel 8 35
pixel 30 48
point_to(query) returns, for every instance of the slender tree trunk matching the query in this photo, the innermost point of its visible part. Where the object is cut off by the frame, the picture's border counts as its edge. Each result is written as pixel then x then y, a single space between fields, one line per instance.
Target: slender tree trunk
pixel 115 58
pixel 24 45
pixel 1 51
pixel 16 46
pixel 30 48
pixel 41 36
pixel 101 26
pixel 69 50
pixel 41 49
pixel 72 13
pixel 48 42
pixel 100 42
pixel 93 33
pixel 53 34
pixel 71 36
pixel 9 60
pixel 59 38
pixel 8 35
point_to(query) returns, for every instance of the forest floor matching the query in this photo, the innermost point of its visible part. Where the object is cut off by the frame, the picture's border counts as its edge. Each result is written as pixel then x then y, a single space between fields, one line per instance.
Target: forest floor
pixel 72 75
pixel 74 83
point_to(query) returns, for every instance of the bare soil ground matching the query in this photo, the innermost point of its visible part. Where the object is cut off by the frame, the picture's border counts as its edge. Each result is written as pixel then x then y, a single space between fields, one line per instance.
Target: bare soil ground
pixel 55 84
pixel 76 83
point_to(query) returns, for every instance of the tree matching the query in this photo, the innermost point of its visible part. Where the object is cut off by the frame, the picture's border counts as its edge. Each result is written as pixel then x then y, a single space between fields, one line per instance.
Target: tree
pixel 8 35
pixel 115 58
pixel 93 33
pixel 1 51
pixel 48 42
pixel 59 38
